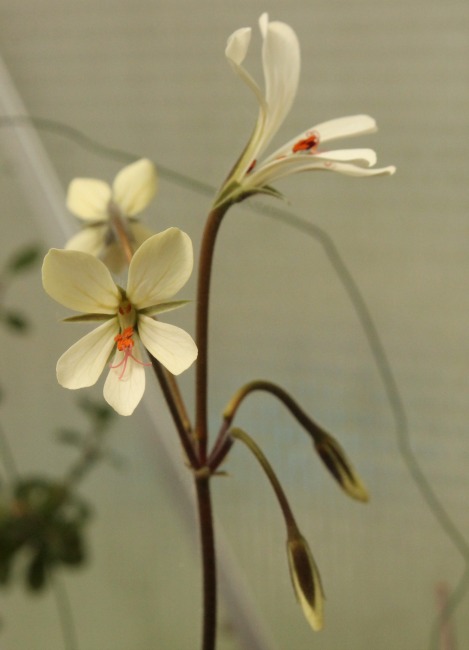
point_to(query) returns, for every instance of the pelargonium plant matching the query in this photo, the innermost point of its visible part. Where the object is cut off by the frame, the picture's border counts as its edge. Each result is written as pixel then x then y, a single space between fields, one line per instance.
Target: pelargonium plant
pixel 130 338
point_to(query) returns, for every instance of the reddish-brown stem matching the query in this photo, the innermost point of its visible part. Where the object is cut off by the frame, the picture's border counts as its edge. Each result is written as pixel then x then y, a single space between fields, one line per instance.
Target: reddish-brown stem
pixel 223 444
pixel 207 541
pixel 178 419
pixel 203 301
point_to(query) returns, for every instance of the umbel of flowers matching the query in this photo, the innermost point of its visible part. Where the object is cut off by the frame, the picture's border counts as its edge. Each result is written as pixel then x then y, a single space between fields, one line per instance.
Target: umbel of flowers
pixel 159 265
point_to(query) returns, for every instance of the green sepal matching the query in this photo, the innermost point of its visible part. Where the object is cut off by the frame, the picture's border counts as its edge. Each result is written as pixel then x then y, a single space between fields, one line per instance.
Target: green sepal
pixel 86 318
pixel 228 194
pixel 164 306
pixel 270 191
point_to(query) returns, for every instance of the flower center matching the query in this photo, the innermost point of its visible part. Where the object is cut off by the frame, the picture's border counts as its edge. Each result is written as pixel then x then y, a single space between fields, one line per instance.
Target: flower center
pixel 125 343
pixel 310 143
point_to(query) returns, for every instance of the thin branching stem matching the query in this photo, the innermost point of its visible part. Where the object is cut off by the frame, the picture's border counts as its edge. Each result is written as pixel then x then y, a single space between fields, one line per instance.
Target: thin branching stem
pixel 290 522
pixel 223 443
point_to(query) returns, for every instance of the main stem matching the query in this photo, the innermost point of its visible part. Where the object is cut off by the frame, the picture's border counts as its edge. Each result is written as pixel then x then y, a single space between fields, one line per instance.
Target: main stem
pixel 207 542
pixel 202 476
pixel 203 300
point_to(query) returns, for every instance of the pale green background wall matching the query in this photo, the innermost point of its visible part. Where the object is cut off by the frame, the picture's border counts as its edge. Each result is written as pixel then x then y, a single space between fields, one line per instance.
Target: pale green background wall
pixel 151 78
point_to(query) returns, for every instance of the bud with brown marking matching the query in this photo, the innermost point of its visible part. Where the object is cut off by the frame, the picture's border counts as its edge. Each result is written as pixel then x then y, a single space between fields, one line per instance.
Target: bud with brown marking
pixel 336 461
pixel 306 580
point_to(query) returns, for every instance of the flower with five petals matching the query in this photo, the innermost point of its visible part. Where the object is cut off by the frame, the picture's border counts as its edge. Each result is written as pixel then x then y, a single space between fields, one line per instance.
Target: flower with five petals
pixel 160 267
pixel 105 209
pixel 305 152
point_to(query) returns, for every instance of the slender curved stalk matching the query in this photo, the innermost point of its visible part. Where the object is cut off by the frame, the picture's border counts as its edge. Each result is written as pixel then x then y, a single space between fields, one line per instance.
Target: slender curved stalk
pixel 223 443
pixel 290 522
pixel 203 300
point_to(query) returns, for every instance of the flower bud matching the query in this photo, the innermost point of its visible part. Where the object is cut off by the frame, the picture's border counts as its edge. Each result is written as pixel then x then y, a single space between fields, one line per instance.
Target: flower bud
pixel 334 458
pixel 306 580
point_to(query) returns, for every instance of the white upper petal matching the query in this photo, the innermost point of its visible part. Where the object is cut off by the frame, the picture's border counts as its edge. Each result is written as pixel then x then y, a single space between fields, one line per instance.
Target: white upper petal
pixel 80 282
pixel 281 60
pixel 82 364
pixel 88 240
pixel 159 268
pixel 170 345
pixel 124 388
pixel 88 198
pixel 237 45
pixel 135 186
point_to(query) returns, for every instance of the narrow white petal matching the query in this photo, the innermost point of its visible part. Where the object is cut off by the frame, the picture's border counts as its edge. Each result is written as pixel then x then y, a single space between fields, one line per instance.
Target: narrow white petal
pixel 236 50
pixel 88 198
pixel 82 364
pixel 124 387
pixel 342 127
pixel 135 186
pixel 354 170
pixel 88 240
pixel 345 127
pixel 159 268
pixel 281 61
pixel 79 281
pixel 170 345
pixel 268 174
pixel 365 157
pixel 237 45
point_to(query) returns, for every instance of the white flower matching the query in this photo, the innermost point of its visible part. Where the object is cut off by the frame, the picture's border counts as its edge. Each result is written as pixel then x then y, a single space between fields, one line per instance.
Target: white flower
pixel 100 206
pixel 79 281
pixel 281 63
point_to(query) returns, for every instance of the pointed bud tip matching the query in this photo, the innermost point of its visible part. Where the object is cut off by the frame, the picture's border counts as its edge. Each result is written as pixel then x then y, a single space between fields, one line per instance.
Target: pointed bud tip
pixel 306 581
pixel 336 461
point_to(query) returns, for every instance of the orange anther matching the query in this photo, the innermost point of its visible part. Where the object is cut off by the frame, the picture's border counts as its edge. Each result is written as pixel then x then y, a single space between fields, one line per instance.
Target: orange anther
pixel 124 340
pixel 307 144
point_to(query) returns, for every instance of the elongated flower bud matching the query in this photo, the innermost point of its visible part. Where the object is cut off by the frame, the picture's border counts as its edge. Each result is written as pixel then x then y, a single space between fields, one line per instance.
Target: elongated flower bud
pixel 336 461
pixel 306 580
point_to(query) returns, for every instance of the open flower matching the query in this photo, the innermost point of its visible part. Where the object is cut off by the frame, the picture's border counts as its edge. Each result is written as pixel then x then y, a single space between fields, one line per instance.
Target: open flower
pixel 281 63
pixel 160 267
pixel 105 209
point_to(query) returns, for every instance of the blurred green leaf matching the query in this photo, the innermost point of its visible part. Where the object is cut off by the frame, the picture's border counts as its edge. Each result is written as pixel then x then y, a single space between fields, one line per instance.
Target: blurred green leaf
pixel 16 321
pixel 24 259
pixel 70 437
pixel 97 411
pixel 37 572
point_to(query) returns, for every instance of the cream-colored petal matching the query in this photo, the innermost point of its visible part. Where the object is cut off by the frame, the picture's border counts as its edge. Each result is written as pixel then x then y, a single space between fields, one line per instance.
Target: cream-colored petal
pixel 80 282
pixel 349 169
pixel 265 175
pixel 124 386
pixel 88 198
pixel 237 45
pixel 170 345
pixel 90 240
pixel 281 62
pixel 345 127
pixel 135 186
pixel 362 157
pixel 159 268
pixel 82 364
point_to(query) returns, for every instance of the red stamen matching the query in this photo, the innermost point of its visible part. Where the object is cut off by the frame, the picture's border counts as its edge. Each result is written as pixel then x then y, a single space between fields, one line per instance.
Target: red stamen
pixel 251 166
pixel 125 343
pixel 310 143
